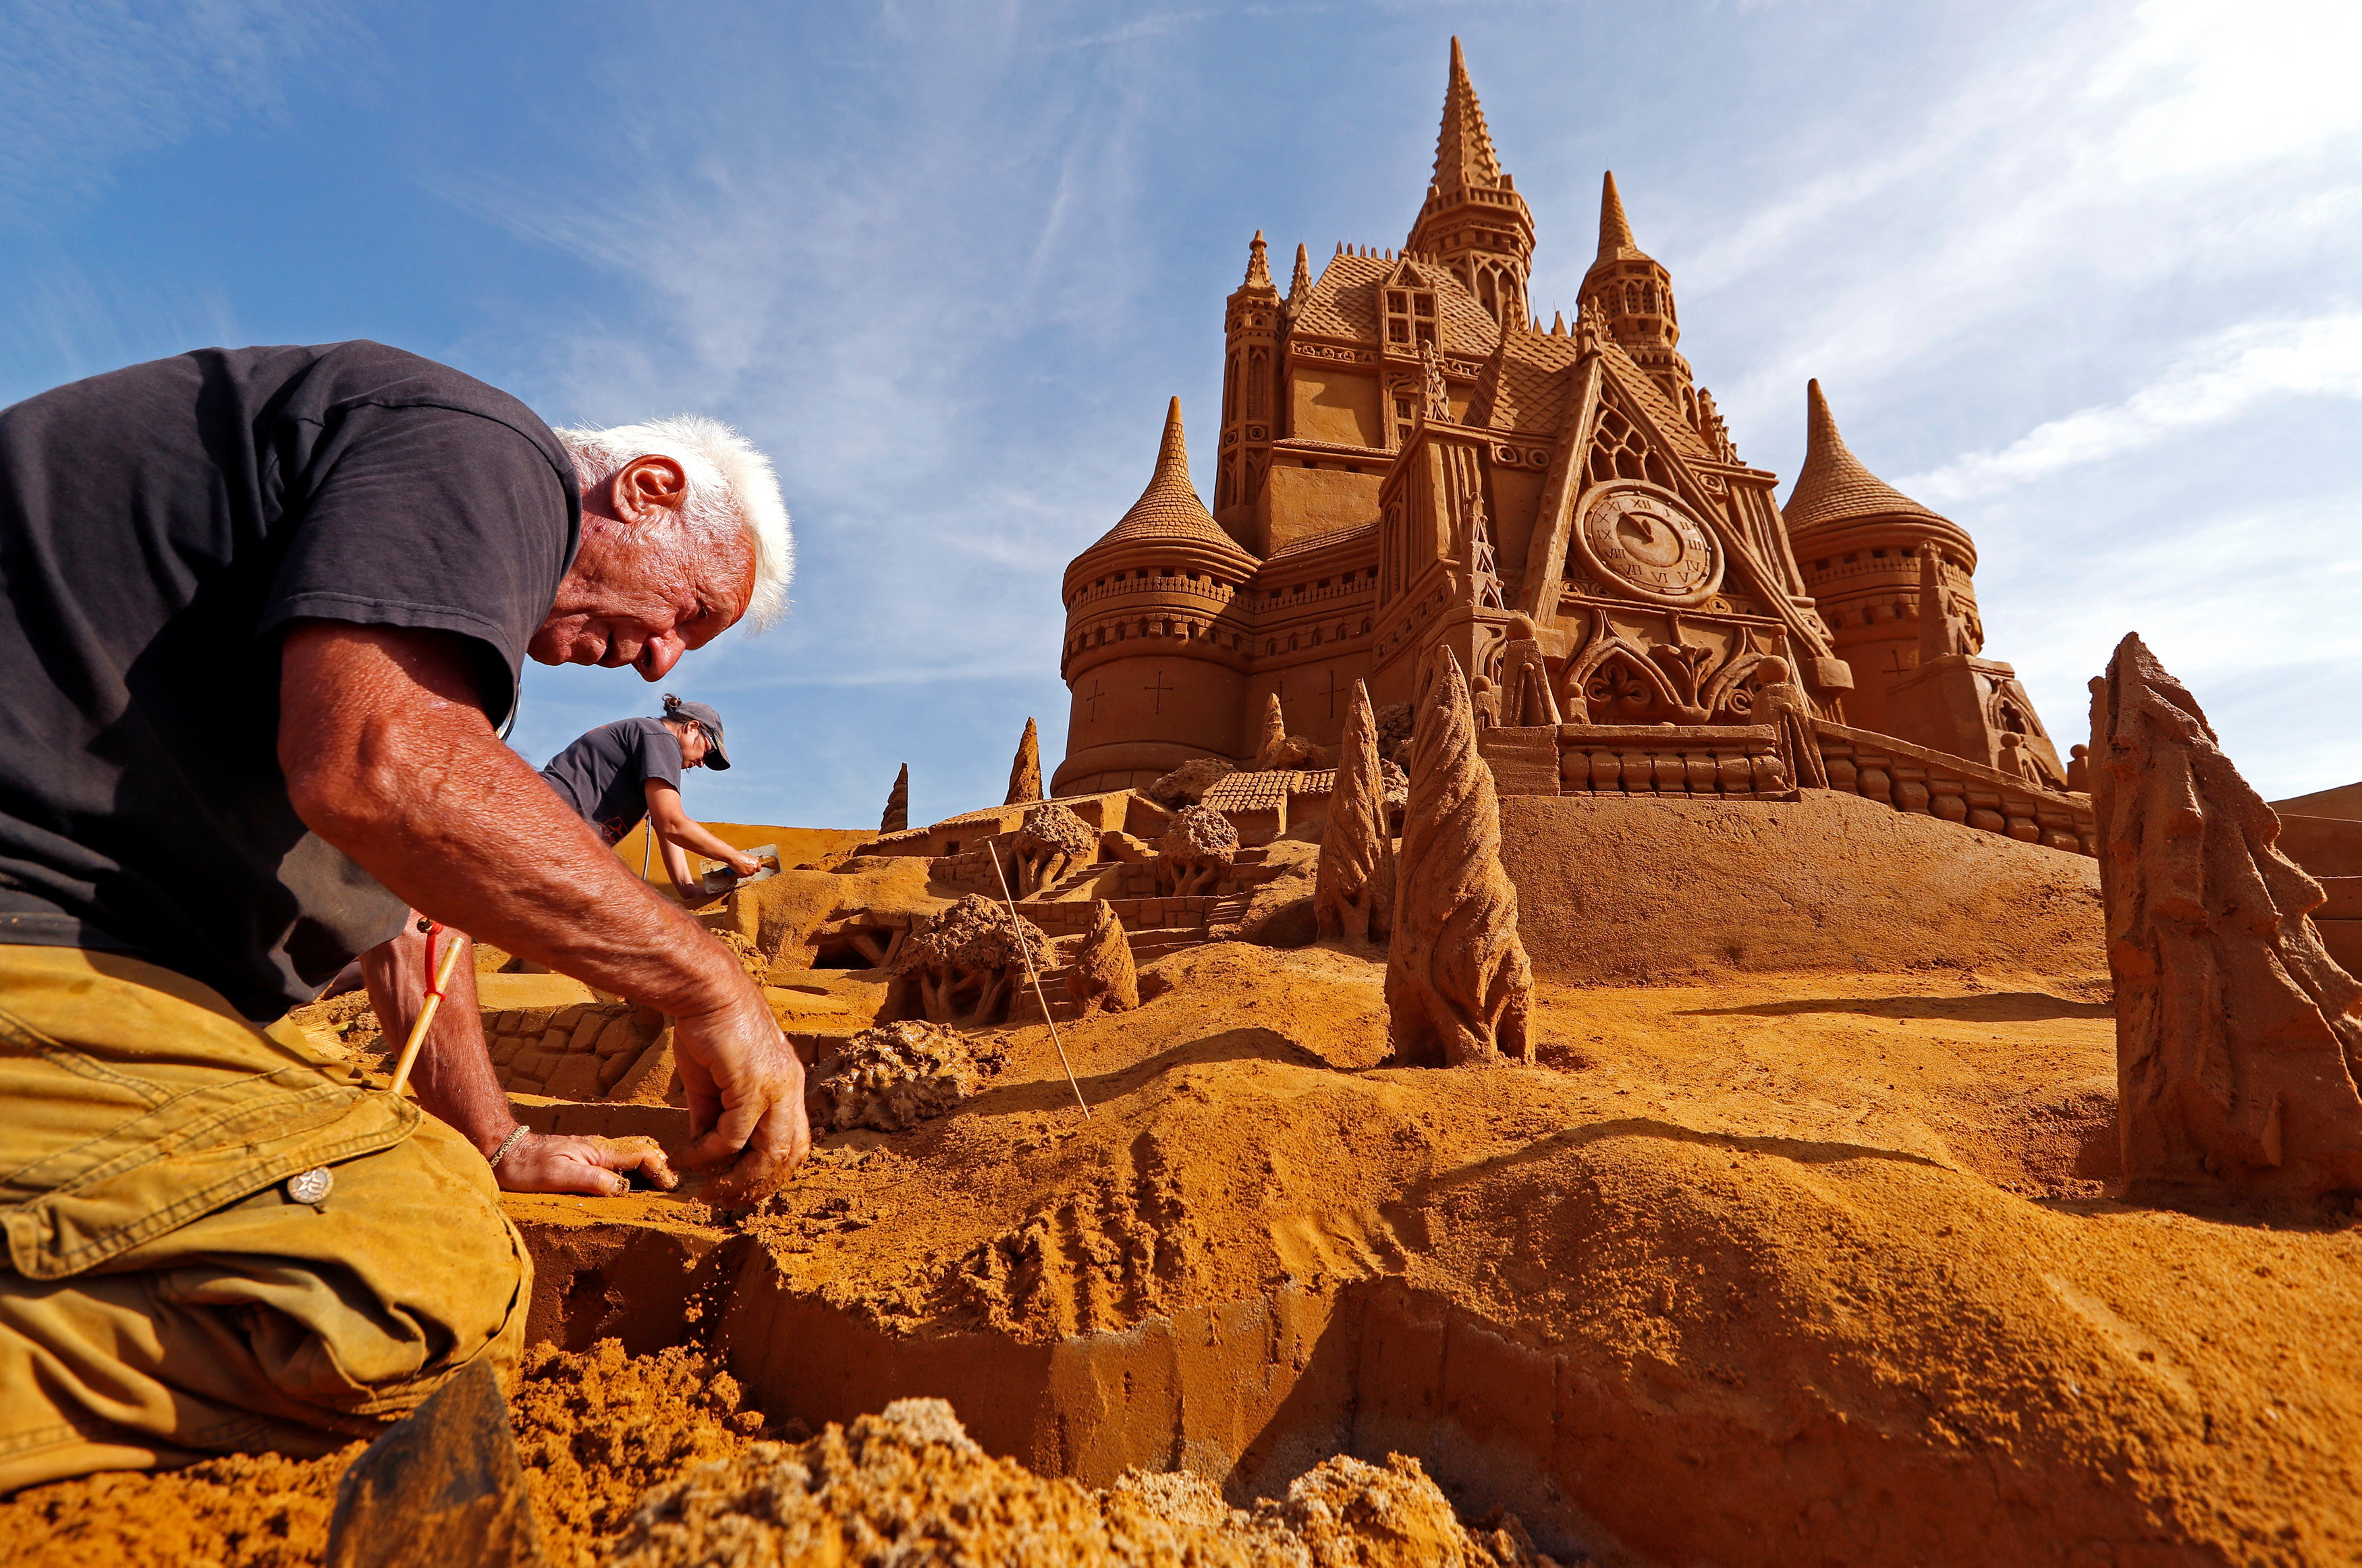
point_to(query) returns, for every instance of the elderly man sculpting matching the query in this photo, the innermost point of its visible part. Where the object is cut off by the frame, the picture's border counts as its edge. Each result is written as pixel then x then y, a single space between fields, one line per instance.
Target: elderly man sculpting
pixel 264 616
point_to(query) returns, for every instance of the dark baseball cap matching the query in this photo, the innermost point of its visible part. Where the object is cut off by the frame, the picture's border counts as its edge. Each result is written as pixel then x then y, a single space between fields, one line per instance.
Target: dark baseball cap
pixel 705 718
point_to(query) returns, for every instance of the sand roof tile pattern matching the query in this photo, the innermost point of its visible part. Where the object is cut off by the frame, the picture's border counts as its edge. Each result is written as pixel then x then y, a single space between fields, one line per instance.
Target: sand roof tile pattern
pixel 1169 510
pixel 1527 385
pixel 1343 303
pixel 1833 486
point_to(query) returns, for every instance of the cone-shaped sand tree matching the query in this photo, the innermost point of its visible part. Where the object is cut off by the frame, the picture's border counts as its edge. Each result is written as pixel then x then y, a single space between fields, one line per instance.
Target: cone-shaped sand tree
pixel 1275 734
pixel 1458 984
pixel 1353 890
pixel 1025 773
pixel 897 804
pixel 2236 1047
pixel 1103 976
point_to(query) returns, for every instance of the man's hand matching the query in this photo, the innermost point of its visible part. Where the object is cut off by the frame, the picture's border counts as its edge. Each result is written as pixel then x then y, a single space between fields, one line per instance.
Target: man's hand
pixel 744 864
pixel 746 1101
pixel 599 1167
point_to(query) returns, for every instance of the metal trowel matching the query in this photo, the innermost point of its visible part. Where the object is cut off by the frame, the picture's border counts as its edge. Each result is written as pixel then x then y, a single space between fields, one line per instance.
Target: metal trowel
pixel 714 878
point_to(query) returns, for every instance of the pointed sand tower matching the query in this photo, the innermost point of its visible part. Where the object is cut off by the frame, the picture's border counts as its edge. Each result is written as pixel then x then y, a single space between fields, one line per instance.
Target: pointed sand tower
pixel 897 804
pixel 1025 771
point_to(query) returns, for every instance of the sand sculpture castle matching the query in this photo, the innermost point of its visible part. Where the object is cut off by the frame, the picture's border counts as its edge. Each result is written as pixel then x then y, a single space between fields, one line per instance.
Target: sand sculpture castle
pixel 1410 462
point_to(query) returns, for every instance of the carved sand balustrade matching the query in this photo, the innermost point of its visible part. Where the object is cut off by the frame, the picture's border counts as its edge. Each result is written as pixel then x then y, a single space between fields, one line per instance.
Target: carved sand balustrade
pixel 1025 770
pixel 1734 762
pixel 2236 1044
pixel 1458 985
pixel 1103 976
pixel 963 968
pixel 1938 784
pixel 1052 842
pixel 1353 889
pixel 897 804
pixel 1195 853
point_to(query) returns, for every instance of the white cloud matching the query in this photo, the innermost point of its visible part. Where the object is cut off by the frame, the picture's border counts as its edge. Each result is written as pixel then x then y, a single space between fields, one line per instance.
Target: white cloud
pixel 2223 380
pixel 93 82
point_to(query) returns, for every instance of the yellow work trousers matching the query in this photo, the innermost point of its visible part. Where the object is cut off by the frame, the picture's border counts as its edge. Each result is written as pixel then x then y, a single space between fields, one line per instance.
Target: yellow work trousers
pixel 165 1294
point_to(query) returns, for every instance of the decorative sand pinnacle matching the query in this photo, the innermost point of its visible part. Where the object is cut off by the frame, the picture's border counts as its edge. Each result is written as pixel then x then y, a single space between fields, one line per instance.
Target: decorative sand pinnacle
pixel 897 804
pixel 1353 890
pixel 1275 734
pixel 2237 1050
pixel 1102 975
pixel 1458 984
pixel 1025 773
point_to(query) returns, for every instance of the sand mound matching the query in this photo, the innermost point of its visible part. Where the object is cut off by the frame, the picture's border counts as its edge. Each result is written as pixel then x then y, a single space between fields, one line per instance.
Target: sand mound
pixel 594 1430
pixel 909 1487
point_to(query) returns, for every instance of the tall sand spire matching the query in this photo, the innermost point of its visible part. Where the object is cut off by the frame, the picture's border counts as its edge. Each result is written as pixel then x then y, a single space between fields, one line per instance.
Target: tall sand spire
pixel 1615 239
pixel 1025 772
pixel 1463 147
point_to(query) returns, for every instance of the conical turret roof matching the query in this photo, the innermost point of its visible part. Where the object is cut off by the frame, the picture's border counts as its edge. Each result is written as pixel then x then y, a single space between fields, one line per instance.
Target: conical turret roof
pixel 1168 510
pixel 1463 147
pixel 1615 241
pixel 1833 486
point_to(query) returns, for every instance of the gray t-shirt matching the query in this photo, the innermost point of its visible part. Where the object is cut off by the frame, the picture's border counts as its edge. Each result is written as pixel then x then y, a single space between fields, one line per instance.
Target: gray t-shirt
pixel 604 776
pixel 158 526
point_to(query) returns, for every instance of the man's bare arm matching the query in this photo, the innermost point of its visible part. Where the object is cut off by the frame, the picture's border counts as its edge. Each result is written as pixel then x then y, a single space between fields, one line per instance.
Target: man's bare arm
pixel 456 1082
pixel 388 757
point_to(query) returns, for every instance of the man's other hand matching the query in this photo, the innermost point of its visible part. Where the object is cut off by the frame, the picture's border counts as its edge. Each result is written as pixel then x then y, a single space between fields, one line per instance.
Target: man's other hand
pixel 746 1100
pixel 598 1167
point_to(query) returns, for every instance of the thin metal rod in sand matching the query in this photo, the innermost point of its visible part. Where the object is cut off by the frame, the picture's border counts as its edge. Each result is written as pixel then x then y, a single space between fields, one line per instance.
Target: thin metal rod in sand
pixel 425 1017
pixel 1026 953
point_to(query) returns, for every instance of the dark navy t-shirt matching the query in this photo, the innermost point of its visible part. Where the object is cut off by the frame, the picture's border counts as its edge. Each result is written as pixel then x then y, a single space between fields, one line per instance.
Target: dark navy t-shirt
pixel 601 776
pixel 158 526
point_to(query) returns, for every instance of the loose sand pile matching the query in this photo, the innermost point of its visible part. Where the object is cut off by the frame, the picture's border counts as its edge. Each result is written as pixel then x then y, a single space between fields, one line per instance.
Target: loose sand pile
pixel 594 1431
pixel 910 1486
pixel 650 1461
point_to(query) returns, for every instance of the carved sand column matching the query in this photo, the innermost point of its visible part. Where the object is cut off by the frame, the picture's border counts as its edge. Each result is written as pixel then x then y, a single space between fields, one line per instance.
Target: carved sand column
pixel 897 804
pixel 1275 734
pixel 1458 985
pixel 1353 890
pixel 2236 1044
pixel 1103 976
pixel 1025 772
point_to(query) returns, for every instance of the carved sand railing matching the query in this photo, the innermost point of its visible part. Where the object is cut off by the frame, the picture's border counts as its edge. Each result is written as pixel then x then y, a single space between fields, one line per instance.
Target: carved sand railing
pixel 1933 783
pixel 1740 762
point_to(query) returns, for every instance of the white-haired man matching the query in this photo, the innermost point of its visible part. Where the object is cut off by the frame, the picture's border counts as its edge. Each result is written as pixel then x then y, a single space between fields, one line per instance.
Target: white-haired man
pixel 264 615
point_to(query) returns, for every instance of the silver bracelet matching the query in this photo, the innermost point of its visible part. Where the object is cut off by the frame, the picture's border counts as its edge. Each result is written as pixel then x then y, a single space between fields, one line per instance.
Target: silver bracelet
pixel 506 1144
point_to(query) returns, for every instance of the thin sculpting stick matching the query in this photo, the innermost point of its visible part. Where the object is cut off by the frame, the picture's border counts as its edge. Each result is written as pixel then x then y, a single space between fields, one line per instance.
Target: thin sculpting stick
pixel 1026 953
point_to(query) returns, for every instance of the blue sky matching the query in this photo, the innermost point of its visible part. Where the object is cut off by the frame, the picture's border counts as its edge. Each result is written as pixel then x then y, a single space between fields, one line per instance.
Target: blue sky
pixel 2081 276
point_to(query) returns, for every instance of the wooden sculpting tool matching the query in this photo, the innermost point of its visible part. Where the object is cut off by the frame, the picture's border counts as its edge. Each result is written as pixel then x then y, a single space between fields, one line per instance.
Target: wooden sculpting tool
pixel 426 1014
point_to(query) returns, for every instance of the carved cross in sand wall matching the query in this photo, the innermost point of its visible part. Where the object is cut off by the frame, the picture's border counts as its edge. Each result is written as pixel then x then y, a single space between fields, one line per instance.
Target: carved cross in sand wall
pixel 1157 688
pixel 1092 697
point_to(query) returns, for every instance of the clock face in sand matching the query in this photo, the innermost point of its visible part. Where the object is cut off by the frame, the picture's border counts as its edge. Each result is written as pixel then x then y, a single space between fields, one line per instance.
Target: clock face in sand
pixel 1644 539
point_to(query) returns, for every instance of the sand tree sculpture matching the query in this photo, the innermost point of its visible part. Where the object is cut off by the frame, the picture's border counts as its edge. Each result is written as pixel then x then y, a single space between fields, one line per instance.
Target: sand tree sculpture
pixel 2237 1050
pixel 1354 887
pixel 1458 984
pixel 1025 771
pixel 1051 842
pixel 1274 742
pixel 1102 976
pixel 1195 851
pixel 964 968
pixel 897 804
